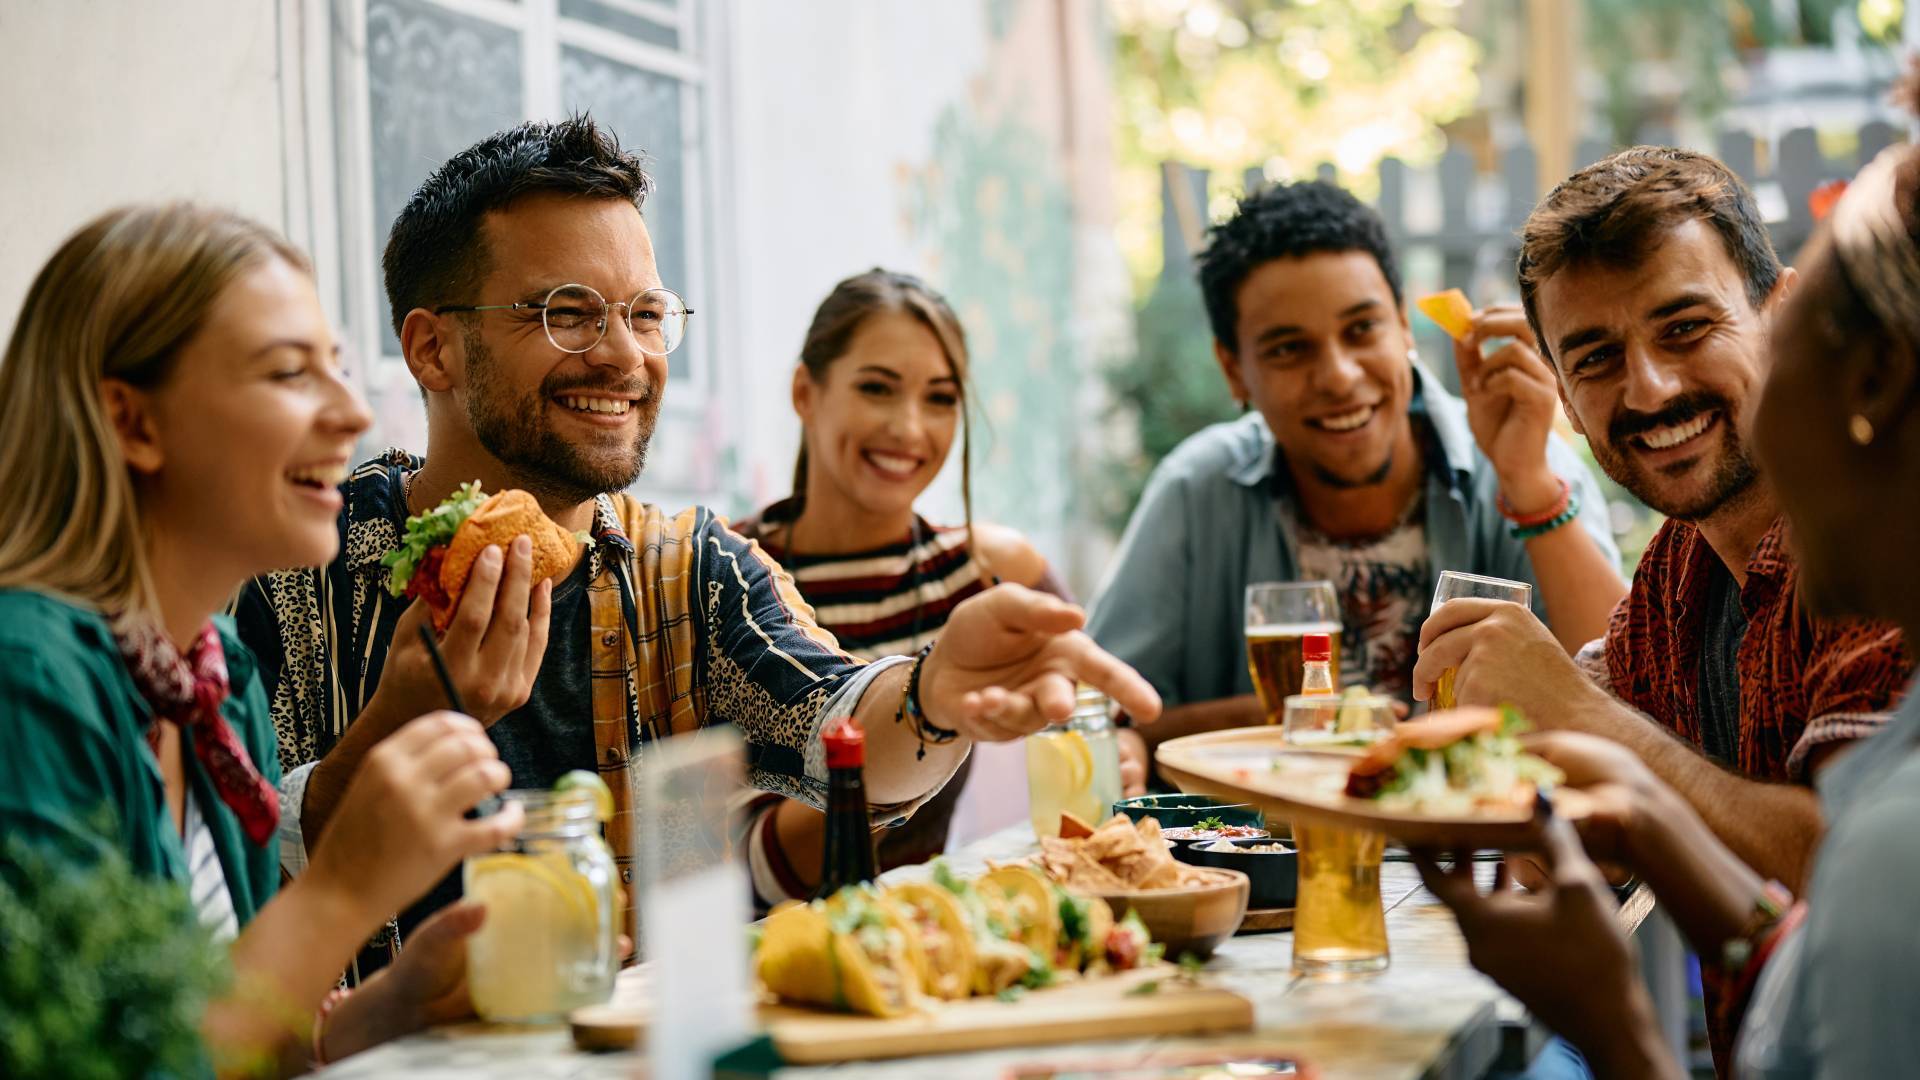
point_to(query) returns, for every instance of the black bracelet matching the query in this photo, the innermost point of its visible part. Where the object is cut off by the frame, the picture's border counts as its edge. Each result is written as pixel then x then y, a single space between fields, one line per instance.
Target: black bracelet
pixel 925 730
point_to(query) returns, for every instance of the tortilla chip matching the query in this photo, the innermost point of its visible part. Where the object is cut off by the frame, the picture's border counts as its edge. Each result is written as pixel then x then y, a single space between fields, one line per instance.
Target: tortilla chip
pixel 1072 828
pixel 1451 310
pixel 1085 872
pixel 1164 876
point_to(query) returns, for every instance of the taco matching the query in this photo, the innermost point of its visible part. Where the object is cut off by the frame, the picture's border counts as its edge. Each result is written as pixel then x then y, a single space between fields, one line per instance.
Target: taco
pixel 1084 924
pixel 1026 901
pixel 1001 960
pixel 1460 761
pixel 946 945
pixel 849 953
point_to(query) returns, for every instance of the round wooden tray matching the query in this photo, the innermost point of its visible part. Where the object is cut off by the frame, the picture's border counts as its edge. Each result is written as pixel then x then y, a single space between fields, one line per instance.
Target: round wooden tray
pixel 1265 920
pixel 1287 782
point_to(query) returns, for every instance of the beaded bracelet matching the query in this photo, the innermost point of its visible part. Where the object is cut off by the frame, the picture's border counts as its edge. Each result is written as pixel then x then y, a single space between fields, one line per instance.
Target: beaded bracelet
pixel 1768 909
pixel 925 730
pixel 1567 513
pixel 1559 507
pixel 327 1004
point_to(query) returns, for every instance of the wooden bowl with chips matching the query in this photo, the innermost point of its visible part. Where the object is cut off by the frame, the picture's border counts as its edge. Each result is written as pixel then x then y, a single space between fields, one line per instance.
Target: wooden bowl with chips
pixel 1192 918
pixel 1188 909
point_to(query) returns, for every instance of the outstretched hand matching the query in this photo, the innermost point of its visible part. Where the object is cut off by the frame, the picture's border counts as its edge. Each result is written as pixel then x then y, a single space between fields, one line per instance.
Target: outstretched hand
pixel 1007 663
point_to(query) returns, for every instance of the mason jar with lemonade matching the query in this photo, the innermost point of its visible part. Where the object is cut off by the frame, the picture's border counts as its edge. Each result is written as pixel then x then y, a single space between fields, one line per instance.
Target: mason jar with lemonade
pixel 1074 766
pixel 547 946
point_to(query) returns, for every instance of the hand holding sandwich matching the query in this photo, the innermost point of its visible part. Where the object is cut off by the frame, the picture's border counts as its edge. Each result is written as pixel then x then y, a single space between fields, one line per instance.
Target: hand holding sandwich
pixel 479 568
pixel 494 641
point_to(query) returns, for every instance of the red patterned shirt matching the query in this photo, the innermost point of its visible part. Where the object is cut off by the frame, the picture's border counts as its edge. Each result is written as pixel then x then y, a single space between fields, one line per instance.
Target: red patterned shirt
pixel 1805 682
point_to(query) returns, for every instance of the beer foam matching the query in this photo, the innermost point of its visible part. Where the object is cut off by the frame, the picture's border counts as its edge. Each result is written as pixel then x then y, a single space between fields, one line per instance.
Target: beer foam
pixel 1282 630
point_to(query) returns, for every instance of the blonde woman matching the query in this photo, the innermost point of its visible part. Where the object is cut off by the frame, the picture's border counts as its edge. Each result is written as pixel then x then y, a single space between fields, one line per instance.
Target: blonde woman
pixel 173 419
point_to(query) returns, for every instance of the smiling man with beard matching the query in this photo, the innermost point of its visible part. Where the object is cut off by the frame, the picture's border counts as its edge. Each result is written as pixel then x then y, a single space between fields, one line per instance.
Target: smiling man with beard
pixel 530 311
pixel 1653 283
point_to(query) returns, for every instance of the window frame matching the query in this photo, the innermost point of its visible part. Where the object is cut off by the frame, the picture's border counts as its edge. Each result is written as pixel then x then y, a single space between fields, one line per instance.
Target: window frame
pixel 326 143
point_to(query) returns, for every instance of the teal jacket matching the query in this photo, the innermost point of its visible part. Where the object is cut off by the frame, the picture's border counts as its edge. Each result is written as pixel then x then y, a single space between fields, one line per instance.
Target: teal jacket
pixel 76 777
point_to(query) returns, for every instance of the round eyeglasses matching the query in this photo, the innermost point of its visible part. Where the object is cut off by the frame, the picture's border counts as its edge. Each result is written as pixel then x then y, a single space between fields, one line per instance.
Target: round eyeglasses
pixel 575 317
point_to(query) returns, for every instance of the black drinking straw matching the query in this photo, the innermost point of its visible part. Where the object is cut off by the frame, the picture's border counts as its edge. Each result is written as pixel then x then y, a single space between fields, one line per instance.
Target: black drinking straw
pixel 440 669
pixel 491 804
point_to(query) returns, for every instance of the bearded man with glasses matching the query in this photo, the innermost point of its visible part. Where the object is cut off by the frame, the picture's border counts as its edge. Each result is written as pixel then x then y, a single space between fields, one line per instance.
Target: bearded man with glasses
pixel 530 311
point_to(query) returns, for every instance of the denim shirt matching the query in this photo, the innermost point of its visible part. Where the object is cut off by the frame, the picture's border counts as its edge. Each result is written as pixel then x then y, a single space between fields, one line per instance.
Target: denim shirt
pixel 1216 517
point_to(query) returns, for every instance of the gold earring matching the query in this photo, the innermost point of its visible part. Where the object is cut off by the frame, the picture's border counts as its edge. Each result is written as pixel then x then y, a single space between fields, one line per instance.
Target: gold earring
pixel 1861 429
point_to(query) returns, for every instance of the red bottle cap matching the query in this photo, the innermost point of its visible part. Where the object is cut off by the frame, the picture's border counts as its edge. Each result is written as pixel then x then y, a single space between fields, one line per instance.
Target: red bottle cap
pixel 846 743
pixel 1317 648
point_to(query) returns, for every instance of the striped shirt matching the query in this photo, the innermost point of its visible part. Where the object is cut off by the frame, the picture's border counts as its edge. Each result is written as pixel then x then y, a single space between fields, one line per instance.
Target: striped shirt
pixel 206 878
pixel 888 601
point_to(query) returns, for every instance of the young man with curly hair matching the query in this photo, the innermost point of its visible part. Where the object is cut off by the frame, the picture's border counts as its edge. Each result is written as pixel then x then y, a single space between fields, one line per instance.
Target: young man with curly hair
pixel 1353 465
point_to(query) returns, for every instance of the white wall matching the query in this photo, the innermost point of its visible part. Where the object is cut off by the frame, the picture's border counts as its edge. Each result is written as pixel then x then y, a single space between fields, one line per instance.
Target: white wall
pixel 103 103
pixel 832 100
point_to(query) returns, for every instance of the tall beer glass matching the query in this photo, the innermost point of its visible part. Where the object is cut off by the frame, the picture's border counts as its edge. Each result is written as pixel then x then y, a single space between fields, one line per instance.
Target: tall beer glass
pixel 1454 585
pixel 1339 922
pixel 1279 615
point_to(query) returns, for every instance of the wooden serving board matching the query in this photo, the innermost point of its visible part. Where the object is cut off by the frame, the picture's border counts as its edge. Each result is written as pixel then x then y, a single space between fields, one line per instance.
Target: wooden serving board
pixel 1077 1011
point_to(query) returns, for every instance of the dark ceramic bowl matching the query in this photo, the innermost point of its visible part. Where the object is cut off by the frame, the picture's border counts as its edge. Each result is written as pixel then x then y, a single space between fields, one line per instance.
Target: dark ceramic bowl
pixel 1178 811
pixel 1274 875
pixel 1186 839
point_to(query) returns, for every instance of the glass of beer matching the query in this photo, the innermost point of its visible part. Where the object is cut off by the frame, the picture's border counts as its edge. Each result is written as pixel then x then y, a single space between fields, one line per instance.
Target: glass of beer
pixel 1454 585
pixel 1279 615
pixel 1339 923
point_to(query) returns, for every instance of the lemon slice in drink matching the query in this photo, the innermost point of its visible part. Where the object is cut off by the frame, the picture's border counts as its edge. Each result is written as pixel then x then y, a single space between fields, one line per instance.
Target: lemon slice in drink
pixel 1060 762
pixel 524 975
pixel 586 781
pixel 1076 748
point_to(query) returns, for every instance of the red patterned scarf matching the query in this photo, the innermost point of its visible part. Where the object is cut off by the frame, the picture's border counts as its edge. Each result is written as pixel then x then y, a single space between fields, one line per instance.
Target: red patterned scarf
pixel 188 691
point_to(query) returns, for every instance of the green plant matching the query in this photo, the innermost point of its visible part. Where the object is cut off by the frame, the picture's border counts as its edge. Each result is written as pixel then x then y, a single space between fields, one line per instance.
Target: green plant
pixel 103 973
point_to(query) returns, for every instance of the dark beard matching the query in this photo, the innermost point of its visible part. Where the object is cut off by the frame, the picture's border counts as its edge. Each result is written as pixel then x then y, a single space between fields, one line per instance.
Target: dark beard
pixel 1733 475
pixel 515 431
